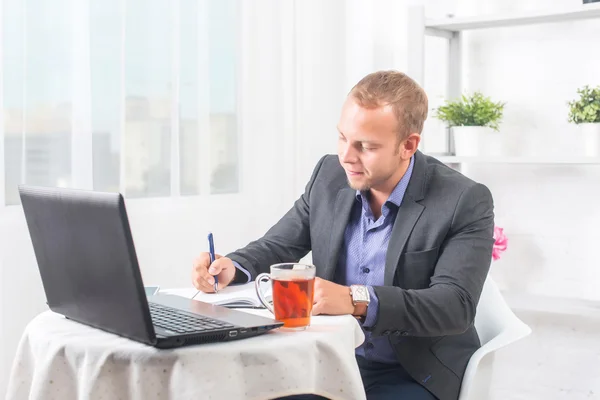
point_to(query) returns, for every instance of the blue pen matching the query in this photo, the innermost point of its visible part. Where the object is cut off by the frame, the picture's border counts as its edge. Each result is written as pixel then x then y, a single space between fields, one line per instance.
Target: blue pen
pixel 211 249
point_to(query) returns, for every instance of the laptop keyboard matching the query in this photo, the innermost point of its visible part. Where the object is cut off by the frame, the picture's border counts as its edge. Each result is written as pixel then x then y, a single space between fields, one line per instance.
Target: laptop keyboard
pixel 174 320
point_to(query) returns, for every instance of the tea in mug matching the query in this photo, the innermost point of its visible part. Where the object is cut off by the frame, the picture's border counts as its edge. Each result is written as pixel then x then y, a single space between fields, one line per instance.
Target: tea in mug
pixel 293 301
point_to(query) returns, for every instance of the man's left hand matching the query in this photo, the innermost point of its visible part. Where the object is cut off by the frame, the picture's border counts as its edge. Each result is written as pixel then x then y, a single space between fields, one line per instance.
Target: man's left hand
pixel 331 298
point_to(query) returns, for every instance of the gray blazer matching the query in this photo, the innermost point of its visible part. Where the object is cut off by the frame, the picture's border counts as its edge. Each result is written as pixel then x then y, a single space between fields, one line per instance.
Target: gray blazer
pixel 438 258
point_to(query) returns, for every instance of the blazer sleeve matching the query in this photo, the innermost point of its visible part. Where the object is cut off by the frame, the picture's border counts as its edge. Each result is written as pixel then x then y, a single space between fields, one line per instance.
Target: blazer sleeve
pixel 287 241
pixel 449 304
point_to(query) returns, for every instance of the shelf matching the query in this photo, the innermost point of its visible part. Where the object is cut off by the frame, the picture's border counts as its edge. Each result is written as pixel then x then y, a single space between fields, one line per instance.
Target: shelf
pixel 585 11
pixel 517 160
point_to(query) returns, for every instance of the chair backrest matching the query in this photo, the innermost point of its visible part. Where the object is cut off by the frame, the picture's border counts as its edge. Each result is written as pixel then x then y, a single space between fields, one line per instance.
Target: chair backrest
pixel 497 327
pixel 493 314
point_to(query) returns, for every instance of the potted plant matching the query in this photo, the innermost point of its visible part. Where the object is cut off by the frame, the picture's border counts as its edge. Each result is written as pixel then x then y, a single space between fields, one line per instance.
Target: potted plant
pixel 473 121
pixel 585 112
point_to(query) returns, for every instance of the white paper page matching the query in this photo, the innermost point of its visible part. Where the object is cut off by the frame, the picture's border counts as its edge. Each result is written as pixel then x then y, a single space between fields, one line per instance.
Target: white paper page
pixel 245 294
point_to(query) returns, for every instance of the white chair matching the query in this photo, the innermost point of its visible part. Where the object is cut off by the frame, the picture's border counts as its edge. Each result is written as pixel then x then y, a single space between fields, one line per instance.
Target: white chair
pixel 497 327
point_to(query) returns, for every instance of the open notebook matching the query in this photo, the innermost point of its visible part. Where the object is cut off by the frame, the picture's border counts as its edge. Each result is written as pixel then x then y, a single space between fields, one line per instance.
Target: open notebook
pixel 235 296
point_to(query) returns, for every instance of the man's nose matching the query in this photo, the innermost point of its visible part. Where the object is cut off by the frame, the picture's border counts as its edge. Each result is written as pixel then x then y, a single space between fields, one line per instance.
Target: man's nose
pixel 348 154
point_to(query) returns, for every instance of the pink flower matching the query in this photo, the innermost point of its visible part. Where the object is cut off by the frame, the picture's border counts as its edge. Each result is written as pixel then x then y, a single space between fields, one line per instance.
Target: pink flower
pixel 500 243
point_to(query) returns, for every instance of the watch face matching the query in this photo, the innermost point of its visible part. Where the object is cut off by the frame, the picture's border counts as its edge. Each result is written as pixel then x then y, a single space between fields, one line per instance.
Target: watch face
pixel 361 293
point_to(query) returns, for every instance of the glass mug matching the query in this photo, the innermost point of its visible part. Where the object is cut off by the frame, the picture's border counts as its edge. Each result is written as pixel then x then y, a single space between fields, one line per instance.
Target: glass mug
pixel 293 292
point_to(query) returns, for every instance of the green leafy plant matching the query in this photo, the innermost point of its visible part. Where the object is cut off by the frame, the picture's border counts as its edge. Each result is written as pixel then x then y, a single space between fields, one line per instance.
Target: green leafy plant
pixel 587 108
pixel 474 110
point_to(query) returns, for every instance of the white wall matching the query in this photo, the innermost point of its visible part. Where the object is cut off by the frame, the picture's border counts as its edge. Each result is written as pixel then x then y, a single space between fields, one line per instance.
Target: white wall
pixel 549 213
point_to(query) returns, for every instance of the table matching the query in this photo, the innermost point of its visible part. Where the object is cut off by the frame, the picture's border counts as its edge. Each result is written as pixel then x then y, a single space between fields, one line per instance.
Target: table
pixel 61 359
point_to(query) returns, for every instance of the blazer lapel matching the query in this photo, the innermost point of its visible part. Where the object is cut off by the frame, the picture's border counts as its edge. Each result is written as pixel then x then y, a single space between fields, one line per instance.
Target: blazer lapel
pixel 408 214
pixel 341 215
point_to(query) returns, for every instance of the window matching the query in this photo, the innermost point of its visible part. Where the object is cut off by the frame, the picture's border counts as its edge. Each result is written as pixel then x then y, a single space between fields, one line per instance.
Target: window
pixel 36 94
pixel 140 92
pixel 208 82
pixel 107 102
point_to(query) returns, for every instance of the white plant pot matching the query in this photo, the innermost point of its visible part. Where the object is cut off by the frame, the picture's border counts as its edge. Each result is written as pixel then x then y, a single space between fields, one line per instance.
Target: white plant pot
pixel 590 139
pixel 477 141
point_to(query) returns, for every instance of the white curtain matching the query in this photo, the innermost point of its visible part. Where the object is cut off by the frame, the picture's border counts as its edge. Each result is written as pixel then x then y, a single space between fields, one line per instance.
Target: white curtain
pixel 156 98
pixel 299 70
pixel 83 81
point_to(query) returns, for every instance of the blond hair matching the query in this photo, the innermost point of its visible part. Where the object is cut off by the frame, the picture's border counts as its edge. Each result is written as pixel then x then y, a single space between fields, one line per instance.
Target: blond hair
pixel 397 89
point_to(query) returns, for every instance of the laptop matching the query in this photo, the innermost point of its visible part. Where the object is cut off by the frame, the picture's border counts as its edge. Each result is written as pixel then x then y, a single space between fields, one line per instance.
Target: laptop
pixel 90 274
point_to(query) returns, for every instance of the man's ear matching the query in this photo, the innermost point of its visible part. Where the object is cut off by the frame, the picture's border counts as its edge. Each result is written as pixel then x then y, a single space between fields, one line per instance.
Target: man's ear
pixel 409 146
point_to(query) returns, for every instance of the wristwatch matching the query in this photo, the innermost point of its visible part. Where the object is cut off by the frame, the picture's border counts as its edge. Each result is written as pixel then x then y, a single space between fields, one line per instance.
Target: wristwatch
pixel 360 295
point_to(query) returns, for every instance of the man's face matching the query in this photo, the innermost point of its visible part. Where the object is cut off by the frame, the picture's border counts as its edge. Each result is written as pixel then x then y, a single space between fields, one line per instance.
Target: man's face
pixel 368 146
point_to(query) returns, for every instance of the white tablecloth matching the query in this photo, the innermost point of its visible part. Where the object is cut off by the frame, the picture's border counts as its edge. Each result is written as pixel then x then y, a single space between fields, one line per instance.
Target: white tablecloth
pixel 61 359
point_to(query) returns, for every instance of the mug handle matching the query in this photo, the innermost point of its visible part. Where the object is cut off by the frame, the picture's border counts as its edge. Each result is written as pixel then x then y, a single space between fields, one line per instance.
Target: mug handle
pixel 263 277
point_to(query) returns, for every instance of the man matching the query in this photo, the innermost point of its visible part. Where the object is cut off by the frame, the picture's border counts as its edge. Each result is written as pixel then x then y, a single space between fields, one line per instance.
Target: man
pixel 415 233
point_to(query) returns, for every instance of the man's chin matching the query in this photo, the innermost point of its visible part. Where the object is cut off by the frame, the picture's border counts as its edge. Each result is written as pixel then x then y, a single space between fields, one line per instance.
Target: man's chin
pixel 360 186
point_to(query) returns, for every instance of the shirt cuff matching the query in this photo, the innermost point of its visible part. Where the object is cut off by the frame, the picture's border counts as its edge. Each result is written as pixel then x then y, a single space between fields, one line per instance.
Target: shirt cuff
pixel 240 268
pixel 372 309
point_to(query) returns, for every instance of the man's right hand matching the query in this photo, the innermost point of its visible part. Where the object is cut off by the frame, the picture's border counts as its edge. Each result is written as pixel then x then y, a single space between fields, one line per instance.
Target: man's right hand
pixel 203 272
